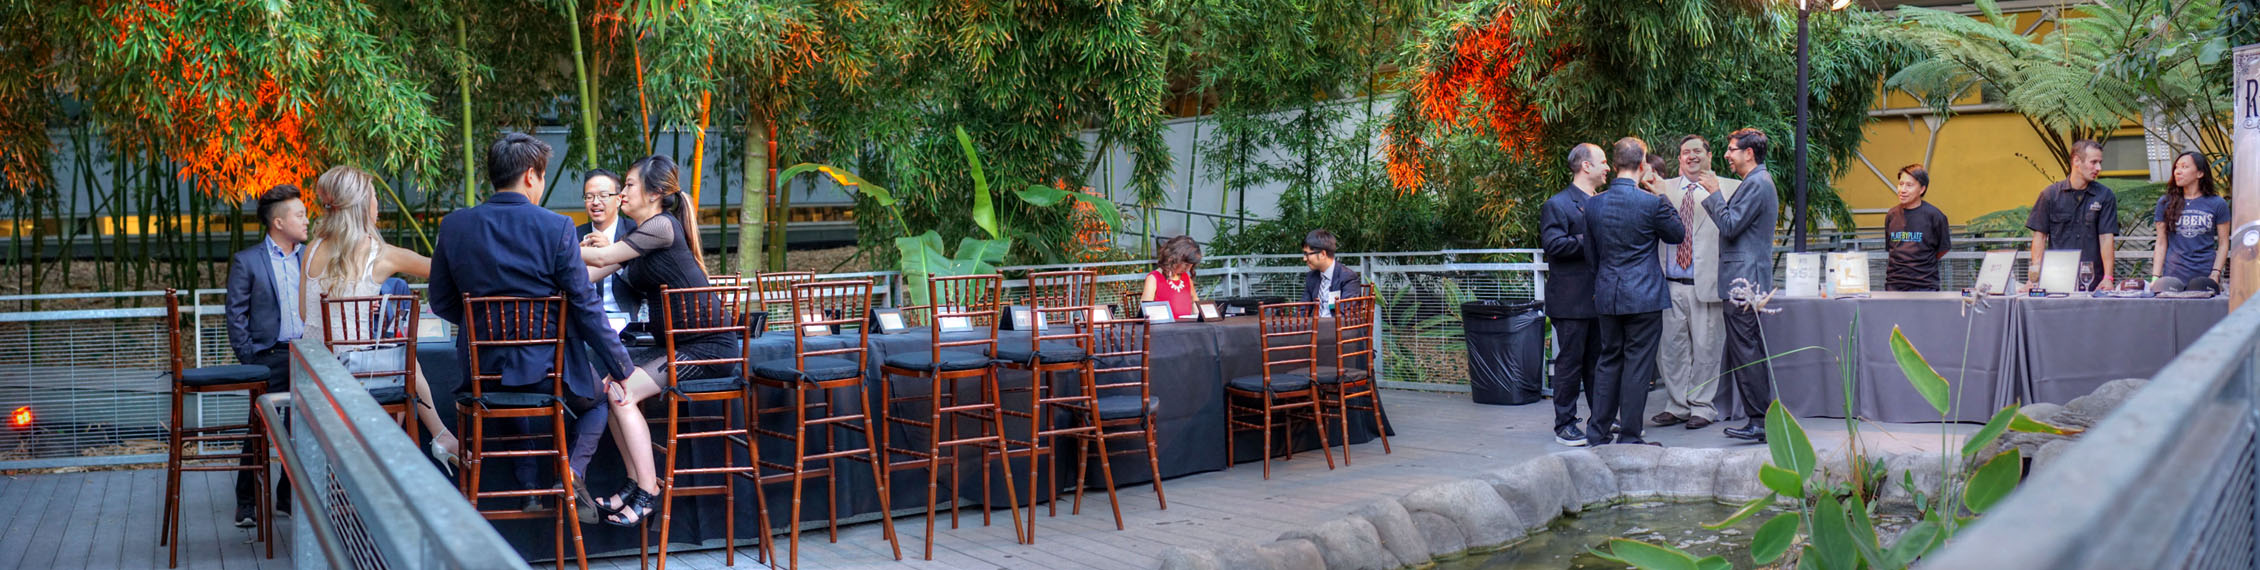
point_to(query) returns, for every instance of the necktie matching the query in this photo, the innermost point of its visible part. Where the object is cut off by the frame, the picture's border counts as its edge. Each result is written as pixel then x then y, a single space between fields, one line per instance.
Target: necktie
pixel 1686 249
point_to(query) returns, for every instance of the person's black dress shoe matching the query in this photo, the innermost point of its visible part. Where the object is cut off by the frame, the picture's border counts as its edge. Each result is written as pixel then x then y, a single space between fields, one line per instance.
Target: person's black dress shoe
pixel 1698 422
pixel 1571 436
pixel 1666 418
pixel 1753 432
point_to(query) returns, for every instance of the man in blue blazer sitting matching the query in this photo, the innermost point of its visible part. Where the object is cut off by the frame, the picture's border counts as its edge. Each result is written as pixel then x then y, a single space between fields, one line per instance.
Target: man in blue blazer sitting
pixel 1328 280
pixel 1625 224
pixel 511 246
pixel 263 314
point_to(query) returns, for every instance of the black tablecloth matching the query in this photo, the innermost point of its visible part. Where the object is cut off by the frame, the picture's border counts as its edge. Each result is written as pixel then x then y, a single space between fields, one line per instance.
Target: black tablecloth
pixel 1190 364
pixel 2018 349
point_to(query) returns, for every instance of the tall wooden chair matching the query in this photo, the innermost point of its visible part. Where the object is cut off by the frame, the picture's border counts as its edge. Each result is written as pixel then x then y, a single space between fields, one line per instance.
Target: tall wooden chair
pixel 1059 340
pixel 1284 389
pixel 685 314
pixel 725 280
pixel 969 300
pixel 1351 377
pixel 380 322
pixel 250 437
pixel 504 323
pixel 836 376
pixel 773 292
pixel 1124 409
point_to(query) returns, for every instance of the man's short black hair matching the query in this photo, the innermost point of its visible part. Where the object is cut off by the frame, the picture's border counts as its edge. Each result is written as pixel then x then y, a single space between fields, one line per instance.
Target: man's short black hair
pixel 1321 240
pixel 513 155
pixel 1582 153
pixel 273 197
pixel 1753 139
pixel 617 182
pixel 1629 154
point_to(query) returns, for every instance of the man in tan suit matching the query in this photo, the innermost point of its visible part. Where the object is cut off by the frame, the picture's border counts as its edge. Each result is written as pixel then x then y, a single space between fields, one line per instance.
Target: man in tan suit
pixel 1695 325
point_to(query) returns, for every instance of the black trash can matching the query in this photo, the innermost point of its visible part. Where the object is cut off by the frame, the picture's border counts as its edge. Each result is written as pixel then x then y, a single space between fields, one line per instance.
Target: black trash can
pixel 1506 350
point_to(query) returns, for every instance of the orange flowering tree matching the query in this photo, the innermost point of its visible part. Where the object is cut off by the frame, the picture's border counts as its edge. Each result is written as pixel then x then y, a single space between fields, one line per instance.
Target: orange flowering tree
pixel 1503 89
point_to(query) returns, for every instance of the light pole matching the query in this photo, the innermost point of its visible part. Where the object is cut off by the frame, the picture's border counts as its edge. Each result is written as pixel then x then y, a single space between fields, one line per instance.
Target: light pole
pixel 1804 87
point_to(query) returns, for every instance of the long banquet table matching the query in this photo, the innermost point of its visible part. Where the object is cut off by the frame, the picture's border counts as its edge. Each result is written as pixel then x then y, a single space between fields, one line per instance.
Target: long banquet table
pixel 1190 362
pixel 2008 350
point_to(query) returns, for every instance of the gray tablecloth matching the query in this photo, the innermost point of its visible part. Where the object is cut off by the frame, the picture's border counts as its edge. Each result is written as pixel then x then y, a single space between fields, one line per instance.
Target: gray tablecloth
pixel 2010 350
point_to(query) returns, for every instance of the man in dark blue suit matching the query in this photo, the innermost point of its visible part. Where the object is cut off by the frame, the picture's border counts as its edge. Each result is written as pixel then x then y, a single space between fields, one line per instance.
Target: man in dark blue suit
pixel 1328 280
pixel 510 246
pixel 1626 223
pixel 600 195
pixel 263 314
pixel 1569 290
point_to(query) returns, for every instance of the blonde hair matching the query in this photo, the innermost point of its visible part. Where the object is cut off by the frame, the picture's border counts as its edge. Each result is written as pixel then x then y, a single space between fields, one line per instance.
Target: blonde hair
pixel 348 194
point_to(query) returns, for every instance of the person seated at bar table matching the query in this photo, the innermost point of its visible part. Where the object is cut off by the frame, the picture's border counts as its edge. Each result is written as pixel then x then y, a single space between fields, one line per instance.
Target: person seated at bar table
pixel 1172 278
pixel 1327 281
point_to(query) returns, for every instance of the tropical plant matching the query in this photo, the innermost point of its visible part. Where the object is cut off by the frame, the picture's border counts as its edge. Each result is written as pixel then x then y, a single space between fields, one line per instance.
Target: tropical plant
pixel 2111 64
pixel 1836 518
pixel 922 255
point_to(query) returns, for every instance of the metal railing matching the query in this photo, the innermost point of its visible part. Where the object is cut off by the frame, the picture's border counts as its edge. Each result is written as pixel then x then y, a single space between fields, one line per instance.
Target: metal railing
pixel 2166 481
pixel 90 376
pixel 367 497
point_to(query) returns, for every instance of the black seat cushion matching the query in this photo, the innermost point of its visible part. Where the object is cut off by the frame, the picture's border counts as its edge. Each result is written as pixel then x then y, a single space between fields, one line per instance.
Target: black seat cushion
pixel 1328 375
pixel 511 400
pixel 952 360
pixel 1279 383
pixel 1124 406
pixel 1054 351
pixel 390 395
pixel 706 385
pixel 820 369
pixel 217 375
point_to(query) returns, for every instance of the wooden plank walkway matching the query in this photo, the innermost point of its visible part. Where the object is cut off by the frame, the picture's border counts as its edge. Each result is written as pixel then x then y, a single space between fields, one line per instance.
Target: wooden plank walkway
pixel 105 520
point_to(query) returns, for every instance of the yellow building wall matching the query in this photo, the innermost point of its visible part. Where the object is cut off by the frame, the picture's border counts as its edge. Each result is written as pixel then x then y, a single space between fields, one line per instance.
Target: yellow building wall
pixel 1984 164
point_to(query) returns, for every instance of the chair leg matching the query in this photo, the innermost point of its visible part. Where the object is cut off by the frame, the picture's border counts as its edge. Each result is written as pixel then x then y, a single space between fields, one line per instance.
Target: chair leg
pixel 800 462
pixel 667 479
pixel 1153 460
pixel 1318 418
pixel 886 503
pixel 569 515
pixel 933 472
pixel 1267 437
pixel 1011 494
pixel 1342 405
pixel 1083 468
pixel 1380 419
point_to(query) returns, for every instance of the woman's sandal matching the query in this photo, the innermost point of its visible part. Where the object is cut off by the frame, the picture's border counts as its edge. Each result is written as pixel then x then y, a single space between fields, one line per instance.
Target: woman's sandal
pixel 634 501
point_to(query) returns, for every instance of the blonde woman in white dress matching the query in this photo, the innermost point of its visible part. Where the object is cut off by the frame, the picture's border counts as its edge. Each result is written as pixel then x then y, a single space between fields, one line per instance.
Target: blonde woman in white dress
pixel 347 258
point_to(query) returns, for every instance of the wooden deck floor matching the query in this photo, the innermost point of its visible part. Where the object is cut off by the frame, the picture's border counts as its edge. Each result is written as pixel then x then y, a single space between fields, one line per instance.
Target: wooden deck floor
pixel 109 519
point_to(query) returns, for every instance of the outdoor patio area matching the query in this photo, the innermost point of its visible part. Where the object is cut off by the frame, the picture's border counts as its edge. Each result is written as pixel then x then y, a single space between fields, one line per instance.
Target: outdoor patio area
pixel 103 520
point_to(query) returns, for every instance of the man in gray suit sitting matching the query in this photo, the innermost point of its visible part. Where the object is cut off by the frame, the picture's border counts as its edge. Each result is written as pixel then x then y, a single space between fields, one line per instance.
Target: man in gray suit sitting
pixel 1746 222
pixel 1624 225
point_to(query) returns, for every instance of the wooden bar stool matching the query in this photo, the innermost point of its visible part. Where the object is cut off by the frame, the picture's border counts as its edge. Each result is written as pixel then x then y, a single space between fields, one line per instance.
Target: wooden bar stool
pixel 687 314
pixel 1284 389
pixel 725 280
pixel 1124 409
pixel 774 292
pixel 818 309
pixel 502 324
pixel 380 322
pixel 250 436
pixel 1351 376
pixel 1059 340
pixel 967 303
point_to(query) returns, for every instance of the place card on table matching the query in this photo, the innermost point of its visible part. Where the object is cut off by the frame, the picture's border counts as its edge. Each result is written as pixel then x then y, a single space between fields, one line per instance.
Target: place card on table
pixel 814 330
pixel 1801 274
pixel 1100 313
pixel 1993 276
pixel 2059 270
pixel 890 320
pixel 1847 273
pixel 1209 311
pixel 1157 312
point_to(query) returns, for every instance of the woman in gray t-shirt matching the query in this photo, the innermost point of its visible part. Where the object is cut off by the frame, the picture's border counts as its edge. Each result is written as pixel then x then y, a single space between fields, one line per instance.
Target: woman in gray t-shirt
pixel 2192 222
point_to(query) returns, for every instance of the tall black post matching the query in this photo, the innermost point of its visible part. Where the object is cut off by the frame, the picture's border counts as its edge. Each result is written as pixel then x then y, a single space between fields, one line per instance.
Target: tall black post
pixel 1797 232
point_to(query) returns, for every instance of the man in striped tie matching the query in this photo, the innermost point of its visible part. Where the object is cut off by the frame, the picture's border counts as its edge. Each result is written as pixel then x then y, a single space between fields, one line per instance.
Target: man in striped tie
pixel 1695 325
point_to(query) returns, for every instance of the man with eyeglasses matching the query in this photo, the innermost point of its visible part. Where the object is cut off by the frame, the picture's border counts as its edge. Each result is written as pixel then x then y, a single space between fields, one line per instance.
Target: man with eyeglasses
pixel 1327 281
pixel 600 194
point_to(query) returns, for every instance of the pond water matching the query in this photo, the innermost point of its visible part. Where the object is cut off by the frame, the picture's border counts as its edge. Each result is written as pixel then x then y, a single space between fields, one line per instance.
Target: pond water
pixel 1564 543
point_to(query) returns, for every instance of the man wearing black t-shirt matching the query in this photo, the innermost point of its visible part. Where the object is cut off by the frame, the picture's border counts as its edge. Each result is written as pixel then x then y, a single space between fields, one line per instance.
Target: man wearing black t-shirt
pixel 1915 233
pixel 2077 213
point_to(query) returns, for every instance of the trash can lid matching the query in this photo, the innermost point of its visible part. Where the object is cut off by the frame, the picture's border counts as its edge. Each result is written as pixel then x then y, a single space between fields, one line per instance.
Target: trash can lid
pixel 1498 308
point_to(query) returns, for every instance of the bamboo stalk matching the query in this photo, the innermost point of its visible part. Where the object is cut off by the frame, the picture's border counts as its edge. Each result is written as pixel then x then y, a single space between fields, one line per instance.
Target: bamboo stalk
pixel 751 208
pixel 581 80
pixel 463 76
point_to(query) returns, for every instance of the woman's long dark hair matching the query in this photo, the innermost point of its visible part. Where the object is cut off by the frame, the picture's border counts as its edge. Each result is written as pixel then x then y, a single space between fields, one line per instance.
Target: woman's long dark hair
pixel 657 174
pixel 1180 251
pixel 2174 198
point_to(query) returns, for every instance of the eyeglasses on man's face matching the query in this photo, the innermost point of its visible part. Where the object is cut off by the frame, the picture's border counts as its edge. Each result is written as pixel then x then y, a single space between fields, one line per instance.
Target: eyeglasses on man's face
pixel 595 197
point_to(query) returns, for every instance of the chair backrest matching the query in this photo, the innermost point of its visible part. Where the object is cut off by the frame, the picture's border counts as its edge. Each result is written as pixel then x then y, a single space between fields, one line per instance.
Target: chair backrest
pixel 1061 298
pixel 499 322
pixel 372 323
pixel 695 311
pixel 974 300
pixel 1290 339
pixel 831 304
pixel 178 359
pixel 1121 346
pixel 1353 325
pixel 724 280
pixel 775 291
